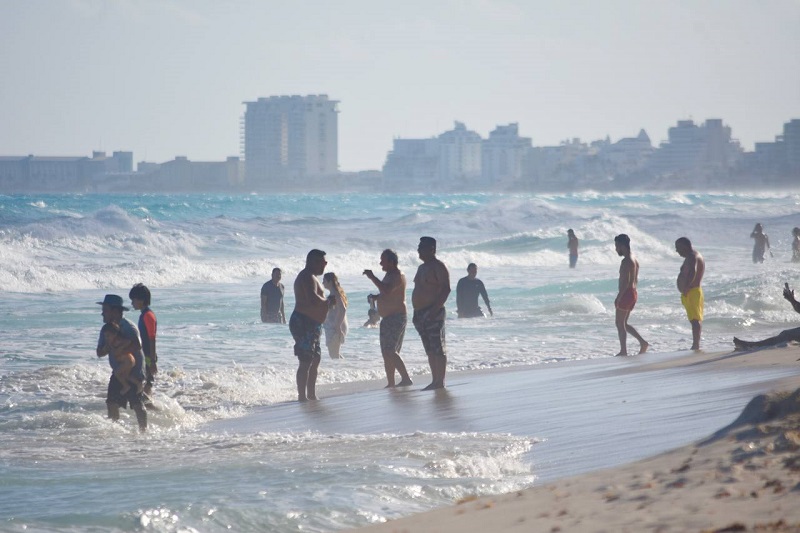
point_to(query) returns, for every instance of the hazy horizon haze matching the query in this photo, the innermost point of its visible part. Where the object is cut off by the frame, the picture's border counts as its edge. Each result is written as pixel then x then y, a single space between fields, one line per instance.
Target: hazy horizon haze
pixel 168 78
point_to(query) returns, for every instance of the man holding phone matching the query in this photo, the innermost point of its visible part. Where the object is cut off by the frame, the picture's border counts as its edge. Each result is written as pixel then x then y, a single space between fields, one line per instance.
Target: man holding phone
pixel 783 337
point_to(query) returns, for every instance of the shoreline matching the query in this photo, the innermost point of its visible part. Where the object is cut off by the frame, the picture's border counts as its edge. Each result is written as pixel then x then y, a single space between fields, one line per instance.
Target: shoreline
pixel 741 477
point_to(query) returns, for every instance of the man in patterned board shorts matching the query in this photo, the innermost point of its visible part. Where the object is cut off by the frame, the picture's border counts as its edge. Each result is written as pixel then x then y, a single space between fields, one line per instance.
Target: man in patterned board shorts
pixel 689 279
pixel 431 289
pixel 391 302
pixel 310 310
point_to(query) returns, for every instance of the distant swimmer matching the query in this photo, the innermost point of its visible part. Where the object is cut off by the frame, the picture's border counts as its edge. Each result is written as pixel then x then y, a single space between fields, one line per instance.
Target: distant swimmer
pixel 627 295
pixel 467 291
pixel 391 302
pixel 431 289
pixel 689 280
pixel 305 324
pixel 761 244
pixel 272 299
pixel 783 337
pixel 336 322
pixel 373 316
pixel 572 244
pixel 796 245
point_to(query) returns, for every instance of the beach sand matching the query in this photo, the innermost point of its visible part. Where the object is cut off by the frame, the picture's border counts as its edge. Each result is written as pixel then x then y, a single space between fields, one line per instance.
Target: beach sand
pixel 743 477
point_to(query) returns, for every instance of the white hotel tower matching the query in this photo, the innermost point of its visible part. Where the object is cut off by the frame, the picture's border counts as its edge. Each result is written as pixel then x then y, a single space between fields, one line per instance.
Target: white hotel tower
pixel 289 139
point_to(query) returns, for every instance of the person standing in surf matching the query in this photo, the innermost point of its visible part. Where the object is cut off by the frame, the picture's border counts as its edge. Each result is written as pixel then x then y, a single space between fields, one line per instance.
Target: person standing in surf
pixel 272 299
pixel 305 324
pixel 761 244
pixel 689 279
pixel 148 325
pixel 112 313
pixel 468 289
pixel 391 302
pixel 572 244
pixel 627 295
pixel 431 289
pixel 335 324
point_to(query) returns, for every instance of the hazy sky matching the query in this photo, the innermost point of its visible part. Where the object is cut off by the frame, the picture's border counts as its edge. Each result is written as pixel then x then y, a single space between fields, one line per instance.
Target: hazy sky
pixel 168 77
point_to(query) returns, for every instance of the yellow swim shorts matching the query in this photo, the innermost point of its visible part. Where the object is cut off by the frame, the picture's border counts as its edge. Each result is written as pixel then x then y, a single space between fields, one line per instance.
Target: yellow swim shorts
pixel 693 303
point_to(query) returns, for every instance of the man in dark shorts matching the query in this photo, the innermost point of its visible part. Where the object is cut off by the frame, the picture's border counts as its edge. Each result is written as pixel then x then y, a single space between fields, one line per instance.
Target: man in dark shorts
pixel 112 313
pixel 272 299
pixel 391 303
pixel 305 324
pixel 467 291
pixel 431 289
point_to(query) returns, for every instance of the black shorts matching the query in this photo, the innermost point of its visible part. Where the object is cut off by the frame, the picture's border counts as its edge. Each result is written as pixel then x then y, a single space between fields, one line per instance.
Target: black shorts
pixel 134 397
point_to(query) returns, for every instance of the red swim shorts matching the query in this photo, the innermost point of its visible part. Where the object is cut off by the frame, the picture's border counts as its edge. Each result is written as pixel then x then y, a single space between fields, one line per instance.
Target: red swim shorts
pixel 627 300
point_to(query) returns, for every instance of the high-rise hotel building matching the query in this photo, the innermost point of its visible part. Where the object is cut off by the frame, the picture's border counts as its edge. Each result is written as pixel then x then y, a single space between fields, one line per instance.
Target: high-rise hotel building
pixel 290 138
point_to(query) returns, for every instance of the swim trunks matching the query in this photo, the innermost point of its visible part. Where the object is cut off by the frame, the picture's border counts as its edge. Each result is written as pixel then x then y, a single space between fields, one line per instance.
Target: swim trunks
pixel 134 396
pixel 430 326
pixel 306 334
pixel 693 303
pixel 393 329
pixel 627 300
pixel 573 260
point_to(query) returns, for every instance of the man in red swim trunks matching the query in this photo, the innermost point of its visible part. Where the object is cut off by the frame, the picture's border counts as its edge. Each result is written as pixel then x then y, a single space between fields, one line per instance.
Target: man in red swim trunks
pixel 626 299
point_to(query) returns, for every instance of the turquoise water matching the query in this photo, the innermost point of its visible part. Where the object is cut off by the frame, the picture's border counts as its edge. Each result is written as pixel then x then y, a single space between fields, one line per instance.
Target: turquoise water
pixel 64 466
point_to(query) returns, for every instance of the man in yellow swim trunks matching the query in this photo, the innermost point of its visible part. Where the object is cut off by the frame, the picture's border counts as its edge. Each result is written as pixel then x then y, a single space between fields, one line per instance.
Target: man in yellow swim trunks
pixel 689 279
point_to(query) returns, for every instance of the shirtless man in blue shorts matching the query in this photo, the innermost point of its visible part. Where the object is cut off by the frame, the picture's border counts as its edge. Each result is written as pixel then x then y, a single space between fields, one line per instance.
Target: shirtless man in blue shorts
pixel 305 324
pixel 431 289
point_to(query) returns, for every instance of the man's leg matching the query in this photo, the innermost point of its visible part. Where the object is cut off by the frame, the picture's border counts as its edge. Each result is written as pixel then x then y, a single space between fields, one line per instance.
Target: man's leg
pixel 438 364
pixel 113 410
pixel 311 385
pixel 141 415
pixel 697 328
pixel 388 365
pixel 401 369
pixel 302 378
pixel 643 345
pixel 621 321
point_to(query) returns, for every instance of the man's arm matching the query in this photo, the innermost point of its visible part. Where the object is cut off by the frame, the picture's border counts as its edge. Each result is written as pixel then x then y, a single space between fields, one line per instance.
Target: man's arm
pixel 485 296
pixel 689 274
pixel 444 285
pixel 263 307
pixel 283 314
pixel 789 295
pixel 102 347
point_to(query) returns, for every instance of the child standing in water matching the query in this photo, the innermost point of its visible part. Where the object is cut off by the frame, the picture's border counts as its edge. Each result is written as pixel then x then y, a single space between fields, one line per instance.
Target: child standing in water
pixel 121 349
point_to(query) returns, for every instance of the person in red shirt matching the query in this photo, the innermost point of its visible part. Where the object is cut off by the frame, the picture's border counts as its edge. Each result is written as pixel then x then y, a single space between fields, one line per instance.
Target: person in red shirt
pixel 140 300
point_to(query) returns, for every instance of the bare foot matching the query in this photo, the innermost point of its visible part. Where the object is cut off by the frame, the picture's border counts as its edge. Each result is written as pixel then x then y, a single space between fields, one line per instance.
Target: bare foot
pixel 695 348
pixel 302 399
pixel 622 354
pixel 389 386
pixel 313 398
pixel 643 348
pixel 434 386
pixel 405 383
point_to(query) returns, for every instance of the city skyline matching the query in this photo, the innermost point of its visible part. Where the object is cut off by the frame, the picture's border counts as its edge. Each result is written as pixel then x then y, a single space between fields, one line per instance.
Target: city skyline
pixel 168 78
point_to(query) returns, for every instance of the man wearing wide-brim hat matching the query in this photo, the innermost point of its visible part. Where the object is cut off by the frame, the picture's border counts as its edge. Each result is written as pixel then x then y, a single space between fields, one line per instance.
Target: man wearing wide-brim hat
pixel 112 313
